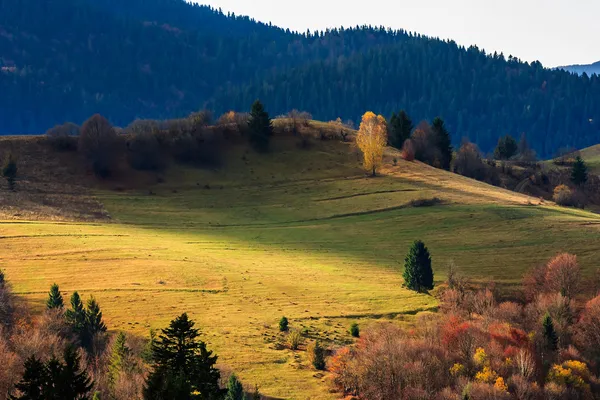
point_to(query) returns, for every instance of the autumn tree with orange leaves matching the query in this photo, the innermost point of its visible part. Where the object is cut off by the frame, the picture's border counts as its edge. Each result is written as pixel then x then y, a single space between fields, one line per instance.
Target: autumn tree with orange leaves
pixel 371 140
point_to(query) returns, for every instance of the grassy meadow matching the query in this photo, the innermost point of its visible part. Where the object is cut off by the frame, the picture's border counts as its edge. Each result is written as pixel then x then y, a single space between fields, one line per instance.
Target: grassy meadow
pixel 300 233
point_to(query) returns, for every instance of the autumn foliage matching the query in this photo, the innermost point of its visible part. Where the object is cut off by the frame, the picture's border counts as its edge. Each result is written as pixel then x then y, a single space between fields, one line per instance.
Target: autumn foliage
pixel 371 140
pixel 482 348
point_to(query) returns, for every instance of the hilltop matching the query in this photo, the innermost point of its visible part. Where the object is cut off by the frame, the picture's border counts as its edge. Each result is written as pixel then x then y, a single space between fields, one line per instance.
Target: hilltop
pixel 580 69
pixel 300 232
pixel 63 61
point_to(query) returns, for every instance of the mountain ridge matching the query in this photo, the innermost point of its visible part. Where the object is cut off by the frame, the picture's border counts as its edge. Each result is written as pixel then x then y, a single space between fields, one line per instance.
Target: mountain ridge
pixel 166 58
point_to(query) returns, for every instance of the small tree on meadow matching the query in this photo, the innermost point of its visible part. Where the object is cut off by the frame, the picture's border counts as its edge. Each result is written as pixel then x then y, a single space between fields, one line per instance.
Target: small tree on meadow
pixel 98 144
pixel 260 127
pixel 418 274
pixel 235 390
pixel 55 299
pixel 283 324
pixel 371 140
pixel 579 173
pixel 9 171
pixel 317 355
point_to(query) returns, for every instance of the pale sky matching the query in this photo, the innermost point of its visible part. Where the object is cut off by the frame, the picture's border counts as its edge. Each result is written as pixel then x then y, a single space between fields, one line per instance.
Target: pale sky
pixel 555 32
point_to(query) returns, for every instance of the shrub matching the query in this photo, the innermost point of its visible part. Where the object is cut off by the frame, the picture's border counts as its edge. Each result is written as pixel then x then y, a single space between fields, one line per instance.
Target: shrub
pixel 99 145
pixel 9 171
pixel 317 355
pixel 564 196
pixel 469 162
pixel 144 152
pixel 354 330
pixel 408 150
pixel 294 340
pixel 283 324
pixel 63 137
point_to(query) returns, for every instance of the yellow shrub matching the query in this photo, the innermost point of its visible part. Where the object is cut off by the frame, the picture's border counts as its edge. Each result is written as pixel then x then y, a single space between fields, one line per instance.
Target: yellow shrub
pixel 480 357
pixel 457 370
pixel 500 385
pixel 487 375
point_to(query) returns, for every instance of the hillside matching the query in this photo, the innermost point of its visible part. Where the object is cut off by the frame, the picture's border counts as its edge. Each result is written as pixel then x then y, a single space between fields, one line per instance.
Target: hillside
pixel 299 232
pixel 580 69
pixel 64 61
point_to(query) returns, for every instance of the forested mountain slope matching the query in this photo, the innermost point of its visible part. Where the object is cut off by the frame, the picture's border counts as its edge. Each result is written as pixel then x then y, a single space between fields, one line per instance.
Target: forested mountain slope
pixel 67 59
pixel 580 69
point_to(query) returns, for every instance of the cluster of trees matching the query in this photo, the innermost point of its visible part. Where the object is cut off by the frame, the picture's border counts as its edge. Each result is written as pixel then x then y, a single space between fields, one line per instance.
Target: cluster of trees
pixel 149 144
pixel 544 346
pixel 173 365
pixel 111 46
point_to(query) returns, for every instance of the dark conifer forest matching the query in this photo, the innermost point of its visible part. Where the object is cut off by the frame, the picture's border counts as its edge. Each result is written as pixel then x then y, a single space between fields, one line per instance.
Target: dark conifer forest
pixel 64 60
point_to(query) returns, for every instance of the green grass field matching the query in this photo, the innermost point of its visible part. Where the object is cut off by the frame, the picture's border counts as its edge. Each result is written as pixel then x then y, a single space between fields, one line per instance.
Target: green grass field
pixel 300 233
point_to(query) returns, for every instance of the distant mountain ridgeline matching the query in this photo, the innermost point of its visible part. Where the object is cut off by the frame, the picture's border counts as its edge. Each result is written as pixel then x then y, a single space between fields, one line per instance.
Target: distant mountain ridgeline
pixel 65 60
pixel 581 69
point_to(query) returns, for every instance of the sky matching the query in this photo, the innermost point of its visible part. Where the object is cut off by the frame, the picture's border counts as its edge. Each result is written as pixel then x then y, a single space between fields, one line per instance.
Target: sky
pixel 555 32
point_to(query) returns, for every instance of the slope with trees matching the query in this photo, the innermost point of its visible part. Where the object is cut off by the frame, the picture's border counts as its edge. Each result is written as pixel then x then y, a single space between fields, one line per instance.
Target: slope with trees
pixel 63 61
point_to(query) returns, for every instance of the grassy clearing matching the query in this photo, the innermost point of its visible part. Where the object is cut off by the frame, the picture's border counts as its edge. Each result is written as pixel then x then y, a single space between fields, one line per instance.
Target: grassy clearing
pixel 298 233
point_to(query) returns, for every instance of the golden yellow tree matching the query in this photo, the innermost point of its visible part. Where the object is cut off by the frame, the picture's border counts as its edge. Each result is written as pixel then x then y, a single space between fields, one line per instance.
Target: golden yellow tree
pixel 371 140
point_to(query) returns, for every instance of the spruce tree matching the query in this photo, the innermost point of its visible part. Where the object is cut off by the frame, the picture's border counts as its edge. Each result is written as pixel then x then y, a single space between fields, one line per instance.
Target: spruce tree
pixel 235 390
pixel 418 274
pixel 549 333
pixel 318 356
pixel 54 380
pixel 93 317
pixel 55 299
pixel 35 378
pixel 182 364
pixel 260 127
pixel 579 173
pixel 506 148
pixel 119 358
pixel 76 318
pixel 283 324
pixel 444 142
pixel 401 127
pixel 74 382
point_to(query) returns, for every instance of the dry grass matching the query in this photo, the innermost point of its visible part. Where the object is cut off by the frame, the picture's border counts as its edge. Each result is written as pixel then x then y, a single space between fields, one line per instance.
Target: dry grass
pixel 300 233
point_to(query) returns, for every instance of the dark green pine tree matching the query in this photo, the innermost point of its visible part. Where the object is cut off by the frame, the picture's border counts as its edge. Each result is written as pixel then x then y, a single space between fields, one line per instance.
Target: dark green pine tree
pixel 549 334
pixel 35 378
pixel 74 383
pixel 579 173
pixel 76 318
pixel 260 127
pixel 506 148
pixel 418 274
pixel 54 380
pixel 182 364
pixel 444 142
pixel 401 128
pixel 55 299
pixel 93 317
pixel 318 356
pixel 235 390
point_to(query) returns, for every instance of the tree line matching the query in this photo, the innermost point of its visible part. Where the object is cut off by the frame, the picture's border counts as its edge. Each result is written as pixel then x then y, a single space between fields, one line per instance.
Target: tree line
pixel 64 61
